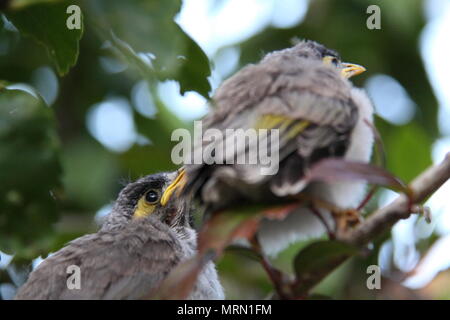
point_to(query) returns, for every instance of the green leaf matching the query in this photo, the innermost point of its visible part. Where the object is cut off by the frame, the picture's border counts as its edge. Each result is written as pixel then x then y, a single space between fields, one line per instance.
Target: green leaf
pixel 238 223
pixel 173 54
pixel 194 70
pixel 222 228
pixel 316 260
pixel 243 251
pixel 408 151
pixel 319 254
pixel 46 23
pixel 18 4
pixel 88 189
pixel 316 296
pixel 29 173
pixel 158 131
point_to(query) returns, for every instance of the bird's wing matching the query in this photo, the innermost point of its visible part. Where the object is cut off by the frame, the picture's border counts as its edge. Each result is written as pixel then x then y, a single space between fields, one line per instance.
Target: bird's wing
pixel 308 102
pixel 126 264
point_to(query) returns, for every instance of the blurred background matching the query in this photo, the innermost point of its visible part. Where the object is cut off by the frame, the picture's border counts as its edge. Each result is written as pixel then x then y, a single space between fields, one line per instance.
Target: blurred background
pixel 70 139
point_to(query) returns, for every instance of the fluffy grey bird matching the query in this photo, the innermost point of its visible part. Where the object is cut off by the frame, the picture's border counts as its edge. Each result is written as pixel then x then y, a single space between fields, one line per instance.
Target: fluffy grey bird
pixel 304 92
pixel 140 242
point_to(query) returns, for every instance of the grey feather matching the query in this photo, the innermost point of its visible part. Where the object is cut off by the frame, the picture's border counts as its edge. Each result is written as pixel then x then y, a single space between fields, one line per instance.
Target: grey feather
pixel 128 258
pixel 297 84
pixel 294 83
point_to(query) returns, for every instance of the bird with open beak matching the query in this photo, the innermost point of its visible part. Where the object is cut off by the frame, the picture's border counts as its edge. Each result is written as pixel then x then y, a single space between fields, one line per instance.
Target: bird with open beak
pixel 138 245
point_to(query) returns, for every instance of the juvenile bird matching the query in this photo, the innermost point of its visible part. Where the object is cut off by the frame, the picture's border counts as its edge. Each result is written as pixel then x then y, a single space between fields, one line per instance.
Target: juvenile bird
pixel 305 94
pixel 140 242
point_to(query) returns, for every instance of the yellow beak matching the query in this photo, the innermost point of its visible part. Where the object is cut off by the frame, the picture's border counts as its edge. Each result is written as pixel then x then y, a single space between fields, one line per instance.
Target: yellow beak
pixel 178 183
pixel 351 70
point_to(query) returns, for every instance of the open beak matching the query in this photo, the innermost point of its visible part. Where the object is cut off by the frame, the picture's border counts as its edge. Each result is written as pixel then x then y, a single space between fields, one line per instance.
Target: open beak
pixel 349 70
pixel 177 184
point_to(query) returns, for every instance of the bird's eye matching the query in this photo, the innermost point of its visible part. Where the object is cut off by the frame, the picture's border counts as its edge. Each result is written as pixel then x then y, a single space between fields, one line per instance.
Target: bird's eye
pixel 152 196
pixel 331 60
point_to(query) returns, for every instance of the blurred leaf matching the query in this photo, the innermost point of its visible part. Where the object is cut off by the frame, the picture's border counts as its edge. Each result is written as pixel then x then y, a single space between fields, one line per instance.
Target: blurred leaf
pixel 181 279
pixel 283 260
pixel 243 251
pixel 155 156
pixel 337 169
pixel 17 4
pixel 242 278
pixel 175 57
pixel 314 261
pixel 222 228
pixel 319 254
pixel 46 23
pixel 29 172
pixel 146 159
pixel 194 67
pixel 335 283
pixel 239 223
pixel 408 151
pixel 159 130
pixel 317 296
pixel 90 175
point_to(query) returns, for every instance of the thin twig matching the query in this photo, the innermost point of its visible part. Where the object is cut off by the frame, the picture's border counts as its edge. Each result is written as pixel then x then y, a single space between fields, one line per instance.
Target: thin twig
pixel 384 218
pixel 276 276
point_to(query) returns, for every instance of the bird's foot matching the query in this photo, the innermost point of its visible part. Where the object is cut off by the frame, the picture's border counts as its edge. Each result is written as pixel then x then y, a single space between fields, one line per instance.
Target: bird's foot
pixel 281 281
pixel 345 220
pixel 315 204
pixel 421 210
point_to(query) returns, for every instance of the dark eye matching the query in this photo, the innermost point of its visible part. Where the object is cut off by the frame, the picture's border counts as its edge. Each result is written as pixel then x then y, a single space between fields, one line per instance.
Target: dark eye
pixel 334 61
pixel 152 196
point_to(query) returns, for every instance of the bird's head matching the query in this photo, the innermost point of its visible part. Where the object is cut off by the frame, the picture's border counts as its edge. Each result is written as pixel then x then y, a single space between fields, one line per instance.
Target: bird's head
pixel 312 50
pixel 143 198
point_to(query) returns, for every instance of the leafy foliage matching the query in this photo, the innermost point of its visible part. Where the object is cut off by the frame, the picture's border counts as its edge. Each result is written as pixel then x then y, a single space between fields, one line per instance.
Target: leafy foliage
pixel 315 259
pixel 175 57
pixel 46 23
pixel 24 160
pixel 28 156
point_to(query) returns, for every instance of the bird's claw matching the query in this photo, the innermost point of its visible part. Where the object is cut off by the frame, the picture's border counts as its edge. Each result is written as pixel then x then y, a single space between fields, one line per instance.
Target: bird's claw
pixel 422 210
pixel 345 219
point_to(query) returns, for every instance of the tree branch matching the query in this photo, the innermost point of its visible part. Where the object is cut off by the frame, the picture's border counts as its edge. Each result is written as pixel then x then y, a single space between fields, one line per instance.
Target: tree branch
pixel 376 224
pixel 384 218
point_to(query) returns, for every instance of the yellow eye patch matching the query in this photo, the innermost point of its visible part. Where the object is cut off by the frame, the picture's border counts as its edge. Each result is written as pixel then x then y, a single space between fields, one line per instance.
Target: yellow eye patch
pixel 146 204
pixel 330 60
